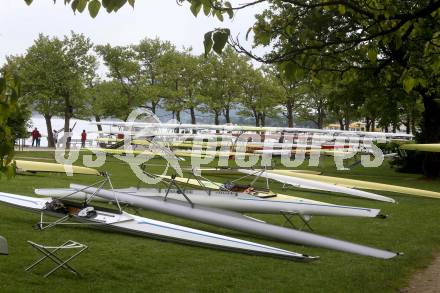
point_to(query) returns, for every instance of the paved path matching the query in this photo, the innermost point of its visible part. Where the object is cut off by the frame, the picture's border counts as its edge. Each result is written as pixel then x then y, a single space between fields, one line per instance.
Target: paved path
pixel 425 281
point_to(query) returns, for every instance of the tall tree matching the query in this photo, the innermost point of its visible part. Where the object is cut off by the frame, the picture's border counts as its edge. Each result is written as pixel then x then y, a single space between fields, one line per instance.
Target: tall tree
pixel 150 53
pixel 43 74
pixel 124 69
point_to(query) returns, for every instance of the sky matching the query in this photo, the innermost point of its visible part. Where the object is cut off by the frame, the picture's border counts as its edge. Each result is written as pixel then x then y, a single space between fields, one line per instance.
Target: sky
pixel 20 24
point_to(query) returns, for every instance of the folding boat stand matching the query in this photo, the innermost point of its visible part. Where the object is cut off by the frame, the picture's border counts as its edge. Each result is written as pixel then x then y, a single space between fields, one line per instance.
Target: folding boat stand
pixel 50 252
pixel 288 219
pixel 42 225
pixel 3 246
pixel 173 183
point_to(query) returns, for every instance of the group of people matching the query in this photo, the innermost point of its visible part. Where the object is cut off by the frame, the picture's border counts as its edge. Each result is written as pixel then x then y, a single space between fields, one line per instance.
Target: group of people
pixel 36 137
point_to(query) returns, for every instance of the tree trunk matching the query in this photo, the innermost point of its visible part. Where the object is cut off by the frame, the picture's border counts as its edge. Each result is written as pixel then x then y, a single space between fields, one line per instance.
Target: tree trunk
pixel 193 115
pixel 367 124
pixel 193 118
pixel 257 117
pixel 289 106
pixel 347 123
pixel 216 118
pixel 263 119
pixel 413 126
pixel 341 123
pixel 50 141
pixel 227 114
pixel 98 119
pixel 153 106
pixel 320 119
pixel 178 115
pixel 431 134
pixel 408 123
pixel 68 111
pixel 373 124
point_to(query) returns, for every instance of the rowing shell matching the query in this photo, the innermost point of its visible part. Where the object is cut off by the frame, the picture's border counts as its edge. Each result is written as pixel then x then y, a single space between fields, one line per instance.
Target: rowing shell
pixel 232 171
pixel 128 223
pixel 433 147
pixel 352 183
pixel 316 185
pixel 31 166
pixel 232 201
pixel 234 221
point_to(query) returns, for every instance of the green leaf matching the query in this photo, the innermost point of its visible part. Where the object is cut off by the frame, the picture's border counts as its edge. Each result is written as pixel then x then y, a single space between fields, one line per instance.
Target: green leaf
pixel 196 5
pixel 289 69
pixel 229 10
pixel 94 7
pixel 131 2
pixel 220 37
pixel 28 2
pixel 372 55
pixel 74 5
pixel 207 42
pixel 206 7
pixel 81 5
pixel 408 84
pixel 341 9
pixel 219 15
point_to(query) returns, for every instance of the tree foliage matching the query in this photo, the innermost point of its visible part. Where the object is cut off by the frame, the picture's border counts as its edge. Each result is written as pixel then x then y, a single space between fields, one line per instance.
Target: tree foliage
pixel 9 104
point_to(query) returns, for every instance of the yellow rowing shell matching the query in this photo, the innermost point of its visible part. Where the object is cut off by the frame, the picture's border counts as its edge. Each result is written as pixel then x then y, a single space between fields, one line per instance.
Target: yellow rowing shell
pixel 31 166
pixel 433 147
pixel 352 183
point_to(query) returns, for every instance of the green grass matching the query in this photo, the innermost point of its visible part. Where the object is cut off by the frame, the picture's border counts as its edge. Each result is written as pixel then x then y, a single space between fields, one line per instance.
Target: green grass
pixel 124 263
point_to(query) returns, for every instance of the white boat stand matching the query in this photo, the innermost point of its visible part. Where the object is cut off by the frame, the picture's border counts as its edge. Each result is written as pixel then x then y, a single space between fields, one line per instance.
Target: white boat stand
pixel 50 252
pixel 288 219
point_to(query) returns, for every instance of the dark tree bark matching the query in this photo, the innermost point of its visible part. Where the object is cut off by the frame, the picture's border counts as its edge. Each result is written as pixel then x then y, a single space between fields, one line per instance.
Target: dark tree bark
pixel 227 113
pixel 193 118
pixel 289 114
pixel 216 117
pixel 262 119
pixel 50 140
pixel 153 106
pixel 431 134
pixel 341 124
pixel 193 115
pixel 68 112
pixel 367 124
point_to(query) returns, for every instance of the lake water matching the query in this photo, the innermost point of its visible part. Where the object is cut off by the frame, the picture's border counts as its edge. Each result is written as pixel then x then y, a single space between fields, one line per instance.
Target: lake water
pixel 58 123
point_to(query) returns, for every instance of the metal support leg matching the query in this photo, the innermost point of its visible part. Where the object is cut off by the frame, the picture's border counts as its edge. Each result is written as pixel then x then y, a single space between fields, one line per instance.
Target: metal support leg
pixel 288 219
pixel 173 182
pixel 50 253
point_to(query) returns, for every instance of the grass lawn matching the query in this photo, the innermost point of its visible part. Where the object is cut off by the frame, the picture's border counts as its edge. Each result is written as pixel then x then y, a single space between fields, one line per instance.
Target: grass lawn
pixel 124 263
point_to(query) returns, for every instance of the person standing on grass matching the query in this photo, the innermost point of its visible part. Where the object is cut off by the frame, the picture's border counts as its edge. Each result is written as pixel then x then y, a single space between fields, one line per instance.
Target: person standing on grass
pixel 83 139
pixel 34 135
pixel 38 138
pixel 55 137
